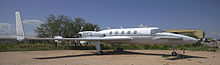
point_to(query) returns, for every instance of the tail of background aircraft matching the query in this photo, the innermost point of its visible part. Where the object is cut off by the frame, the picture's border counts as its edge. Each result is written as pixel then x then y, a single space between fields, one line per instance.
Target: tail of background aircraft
pixel 20 35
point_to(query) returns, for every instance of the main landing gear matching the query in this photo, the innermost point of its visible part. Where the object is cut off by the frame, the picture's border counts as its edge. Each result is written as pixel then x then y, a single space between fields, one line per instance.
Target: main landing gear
pixel 98 47
pixel 174 52
pixel 120 48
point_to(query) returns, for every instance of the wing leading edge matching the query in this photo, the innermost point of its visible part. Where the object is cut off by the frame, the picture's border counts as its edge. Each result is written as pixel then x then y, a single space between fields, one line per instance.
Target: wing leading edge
pixel 112 38
pixel 169 38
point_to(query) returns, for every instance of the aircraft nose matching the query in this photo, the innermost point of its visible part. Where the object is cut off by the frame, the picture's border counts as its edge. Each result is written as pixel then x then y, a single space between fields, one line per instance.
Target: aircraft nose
pixel 192 40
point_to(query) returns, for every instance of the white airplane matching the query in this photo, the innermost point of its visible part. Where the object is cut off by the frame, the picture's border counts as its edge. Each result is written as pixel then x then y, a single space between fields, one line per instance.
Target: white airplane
pixel 149 35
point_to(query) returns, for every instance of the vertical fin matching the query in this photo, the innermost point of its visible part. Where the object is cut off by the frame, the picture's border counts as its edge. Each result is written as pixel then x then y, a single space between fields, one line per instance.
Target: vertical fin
pixel 20 35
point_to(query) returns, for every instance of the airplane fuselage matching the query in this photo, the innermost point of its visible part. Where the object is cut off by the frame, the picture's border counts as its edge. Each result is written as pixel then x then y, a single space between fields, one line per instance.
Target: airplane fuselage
pixel 151 35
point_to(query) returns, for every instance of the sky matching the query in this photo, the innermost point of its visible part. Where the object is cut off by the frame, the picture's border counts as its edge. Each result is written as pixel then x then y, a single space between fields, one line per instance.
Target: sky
pixel 166 14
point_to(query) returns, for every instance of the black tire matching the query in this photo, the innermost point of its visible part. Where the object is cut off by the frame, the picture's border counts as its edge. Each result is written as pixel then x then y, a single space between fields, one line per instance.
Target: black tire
pixel 101 52
pixel 174 54
pixel 120 49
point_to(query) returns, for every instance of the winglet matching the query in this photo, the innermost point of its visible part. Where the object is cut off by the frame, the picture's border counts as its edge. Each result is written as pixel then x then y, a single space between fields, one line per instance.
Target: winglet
pixel 20 35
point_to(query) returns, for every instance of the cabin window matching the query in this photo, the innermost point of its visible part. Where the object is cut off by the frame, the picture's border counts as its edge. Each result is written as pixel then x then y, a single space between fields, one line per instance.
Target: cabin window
pixel 154 31
pixel 135 32
pixel 110 32
pixel 122 32
pixel 116 32
pixel 128 32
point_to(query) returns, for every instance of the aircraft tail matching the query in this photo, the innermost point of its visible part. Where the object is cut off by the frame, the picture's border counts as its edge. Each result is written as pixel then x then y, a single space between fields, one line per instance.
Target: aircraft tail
pixel 20 35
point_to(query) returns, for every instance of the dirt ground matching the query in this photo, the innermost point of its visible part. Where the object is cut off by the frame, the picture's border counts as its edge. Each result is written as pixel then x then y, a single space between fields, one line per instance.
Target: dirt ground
pixel 127 57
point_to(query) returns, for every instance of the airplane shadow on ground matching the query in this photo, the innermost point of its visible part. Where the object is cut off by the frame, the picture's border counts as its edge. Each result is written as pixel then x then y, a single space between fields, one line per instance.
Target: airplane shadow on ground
pixel 178 57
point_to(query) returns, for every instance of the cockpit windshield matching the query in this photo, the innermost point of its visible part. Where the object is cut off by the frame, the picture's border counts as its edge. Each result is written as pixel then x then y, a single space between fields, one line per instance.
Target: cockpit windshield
pixel 154 31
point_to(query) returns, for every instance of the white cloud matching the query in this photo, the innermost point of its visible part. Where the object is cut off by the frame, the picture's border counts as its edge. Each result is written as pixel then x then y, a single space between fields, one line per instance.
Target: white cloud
pixel 5 28
pixel 29 26
pixel 32 21
pixel 30 34
pixel 213 35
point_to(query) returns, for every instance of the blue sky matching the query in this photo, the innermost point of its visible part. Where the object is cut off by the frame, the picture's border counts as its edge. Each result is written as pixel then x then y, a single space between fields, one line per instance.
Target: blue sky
pixel 166 14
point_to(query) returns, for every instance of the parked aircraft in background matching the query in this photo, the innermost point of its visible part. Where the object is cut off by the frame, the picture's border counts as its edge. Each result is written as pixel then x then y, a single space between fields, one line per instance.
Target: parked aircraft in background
pixel 148 35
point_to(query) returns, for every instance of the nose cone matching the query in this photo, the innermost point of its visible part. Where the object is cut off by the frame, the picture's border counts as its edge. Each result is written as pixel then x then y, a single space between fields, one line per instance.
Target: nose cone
pixel 186 39
pixel 193 40
pixel 190 39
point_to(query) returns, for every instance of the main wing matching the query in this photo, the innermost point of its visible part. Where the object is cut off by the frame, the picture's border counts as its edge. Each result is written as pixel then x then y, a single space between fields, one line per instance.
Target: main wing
pixel 168 38
pixel 108 38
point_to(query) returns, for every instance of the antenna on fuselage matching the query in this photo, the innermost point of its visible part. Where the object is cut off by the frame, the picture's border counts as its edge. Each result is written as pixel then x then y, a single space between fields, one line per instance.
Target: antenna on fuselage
pixel 121 27
pixel 81 29
pixel 95 29
pixel 108 28
pixel 142 26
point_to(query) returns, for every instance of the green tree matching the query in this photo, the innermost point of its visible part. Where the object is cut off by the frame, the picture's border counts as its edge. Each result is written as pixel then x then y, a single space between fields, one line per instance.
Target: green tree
pixel 63 26
pixel 79 22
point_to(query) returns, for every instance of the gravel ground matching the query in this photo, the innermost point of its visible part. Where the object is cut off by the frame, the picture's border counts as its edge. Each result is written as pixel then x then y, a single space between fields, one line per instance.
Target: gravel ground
pixel 128 57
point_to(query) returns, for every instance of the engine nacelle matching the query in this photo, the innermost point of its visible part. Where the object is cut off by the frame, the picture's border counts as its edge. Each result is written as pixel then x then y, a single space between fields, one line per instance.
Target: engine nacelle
pixel 57 37
pixel 82 42
pixel 90 34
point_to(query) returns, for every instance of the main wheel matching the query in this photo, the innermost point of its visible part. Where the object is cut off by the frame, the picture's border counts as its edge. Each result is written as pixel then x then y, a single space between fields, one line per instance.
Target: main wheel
pixel 174 54
pixel 101 52
pixel 120 49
